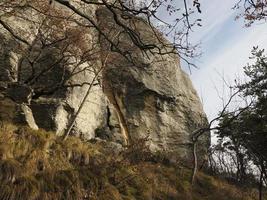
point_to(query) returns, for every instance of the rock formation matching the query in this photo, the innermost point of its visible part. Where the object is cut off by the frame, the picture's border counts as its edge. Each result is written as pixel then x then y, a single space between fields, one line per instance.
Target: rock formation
pixel 150 97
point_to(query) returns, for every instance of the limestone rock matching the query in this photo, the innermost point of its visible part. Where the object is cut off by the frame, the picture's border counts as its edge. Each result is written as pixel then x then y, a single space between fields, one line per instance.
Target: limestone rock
pixel 26 117
pixel 51 110
pixel 155 96
pixel 50 114
pixel 149 96
pixel 19 93
pixel 10 111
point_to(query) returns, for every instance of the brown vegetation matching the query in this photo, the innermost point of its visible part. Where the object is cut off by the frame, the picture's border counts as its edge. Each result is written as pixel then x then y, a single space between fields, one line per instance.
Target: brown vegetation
pixel 39 165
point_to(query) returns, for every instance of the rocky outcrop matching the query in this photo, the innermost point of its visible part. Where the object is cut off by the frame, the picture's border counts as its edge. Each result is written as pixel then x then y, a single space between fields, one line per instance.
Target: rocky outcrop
pixel 146 97
pixel 156 97
pixel 35 87
pixel 12 112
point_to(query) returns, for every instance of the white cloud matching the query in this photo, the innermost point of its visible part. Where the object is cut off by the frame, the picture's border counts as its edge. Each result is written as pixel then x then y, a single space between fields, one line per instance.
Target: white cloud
pixel 213 15
pixel 229 62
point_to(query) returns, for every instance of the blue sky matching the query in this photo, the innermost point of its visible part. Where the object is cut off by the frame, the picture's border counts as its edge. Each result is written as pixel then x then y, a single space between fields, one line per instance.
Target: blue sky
pixel 225 45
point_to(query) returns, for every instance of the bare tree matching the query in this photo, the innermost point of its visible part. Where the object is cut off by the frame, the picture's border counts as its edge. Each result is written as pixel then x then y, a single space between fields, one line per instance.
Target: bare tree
pixel 252 10
pixel 176 27
pixel 213 126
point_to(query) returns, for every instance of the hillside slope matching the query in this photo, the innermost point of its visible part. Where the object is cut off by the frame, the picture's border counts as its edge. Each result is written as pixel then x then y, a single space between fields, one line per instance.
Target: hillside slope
pixel 39 165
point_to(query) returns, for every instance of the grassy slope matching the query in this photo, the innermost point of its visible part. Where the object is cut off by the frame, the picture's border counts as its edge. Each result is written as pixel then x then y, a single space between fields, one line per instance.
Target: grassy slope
pixel 38 165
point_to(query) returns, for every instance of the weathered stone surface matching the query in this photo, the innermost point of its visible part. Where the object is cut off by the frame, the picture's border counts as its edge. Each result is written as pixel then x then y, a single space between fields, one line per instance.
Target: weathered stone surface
pixel 26 117
pixel 93 113
pixel 10 111
pixel 51 110
pixel 8 58
pixel 3 86
pixel 155 96
pixel 150 97
pixel 20 93
pixel 50 114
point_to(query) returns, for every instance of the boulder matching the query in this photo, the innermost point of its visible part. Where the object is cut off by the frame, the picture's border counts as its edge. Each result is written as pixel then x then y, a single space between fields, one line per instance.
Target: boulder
pixel 12 112
pixel 26 116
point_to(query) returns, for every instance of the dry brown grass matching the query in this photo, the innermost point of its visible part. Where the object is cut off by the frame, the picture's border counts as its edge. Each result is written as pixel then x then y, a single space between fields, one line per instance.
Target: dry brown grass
pixel 37 165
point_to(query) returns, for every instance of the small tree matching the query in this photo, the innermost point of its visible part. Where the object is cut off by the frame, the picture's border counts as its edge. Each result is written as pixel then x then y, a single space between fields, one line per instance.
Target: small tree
pixel 246 135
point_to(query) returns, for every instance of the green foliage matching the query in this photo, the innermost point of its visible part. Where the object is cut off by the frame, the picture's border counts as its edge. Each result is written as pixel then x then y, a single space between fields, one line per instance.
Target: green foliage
pixel 245 133
pixel 257 73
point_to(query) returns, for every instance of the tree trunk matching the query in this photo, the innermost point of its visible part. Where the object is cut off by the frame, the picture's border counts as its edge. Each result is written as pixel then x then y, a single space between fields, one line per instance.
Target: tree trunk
pixel 81 106
pixel 195 162
pixel 261 185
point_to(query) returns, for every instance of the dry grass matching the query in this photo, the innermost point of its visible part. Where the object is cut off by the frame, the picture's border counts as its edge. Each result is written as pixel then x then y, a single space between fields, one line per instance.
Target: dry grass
pixel 37 165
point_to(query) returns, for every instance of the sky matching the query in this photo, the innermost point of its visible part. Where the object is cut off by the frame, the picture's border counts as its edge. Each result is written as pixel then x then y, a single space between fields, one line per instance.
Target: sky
pixel 226 46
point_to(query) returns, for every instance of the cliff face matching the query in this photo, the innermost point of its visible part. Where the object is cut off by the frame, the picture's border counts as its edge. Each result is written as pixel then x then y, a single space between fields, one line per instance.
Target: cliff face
pixel 146 97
